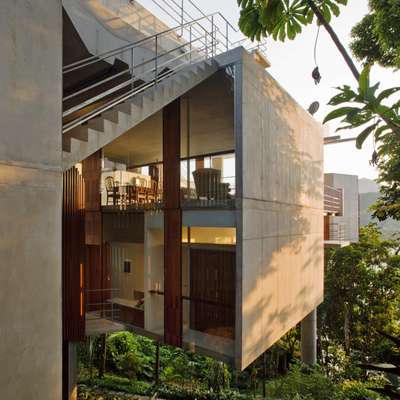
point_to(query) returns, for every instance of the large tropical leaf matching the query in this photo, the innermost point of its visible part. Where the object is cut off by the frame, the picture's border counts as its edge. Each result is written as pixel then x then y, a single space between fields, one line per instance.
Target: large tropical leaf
pixel 282 19
pixel 340 112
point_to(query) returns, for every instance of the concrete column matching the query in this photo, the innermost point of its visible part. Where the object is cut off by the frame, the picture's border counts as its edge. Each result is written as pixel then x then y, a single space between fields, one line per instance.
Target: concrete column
pixel 70 369
pixel 309 339
pixel 30 200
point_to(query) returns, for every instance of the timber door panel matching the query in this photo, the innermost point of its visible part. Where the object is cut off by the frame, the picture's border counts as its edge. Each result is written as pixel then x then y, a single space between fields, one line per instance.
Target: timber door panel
pixel 212 291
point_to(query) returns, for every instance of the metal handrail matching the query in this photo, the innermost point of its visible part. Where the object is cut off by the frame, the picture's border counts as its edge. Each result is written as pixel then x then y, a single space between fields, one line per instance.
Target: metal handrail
pixel 120 99
pixel 111 53
pixel 121 86
pixel 209 48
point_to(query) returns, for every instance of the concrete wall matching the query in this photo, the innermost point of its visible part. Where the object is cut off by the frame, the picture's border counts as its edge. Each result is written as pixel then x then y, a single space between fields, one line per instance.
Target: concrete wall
pixel 280 233
pixel 109 24
pixel 351 212
pixel 30 200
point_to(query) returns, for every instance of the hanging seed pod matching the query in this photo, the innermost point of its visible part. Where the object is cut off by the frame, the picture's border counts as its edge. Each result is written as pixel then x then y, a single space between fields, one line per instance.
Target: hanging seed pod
pixel 316 75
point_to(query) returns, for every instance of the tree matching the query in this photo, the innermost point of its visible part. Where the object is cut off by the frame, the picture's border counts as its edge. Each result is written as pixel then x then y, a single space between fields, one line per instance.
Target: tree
pixel 376 36
pixel 363 107
pixel 283 19
pixel 362 289
pixel 388 205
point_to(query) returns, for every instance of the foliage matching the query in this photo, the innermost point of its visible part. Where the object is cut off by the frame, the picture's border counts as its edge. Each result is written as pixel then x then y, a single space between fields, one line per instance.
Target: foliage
pixel 364 108
pixel 391 368
pixel 338 364
pixel 355 390
pixel 362 288
pixel 125 356
pixel 388 205
pixel 303 383
pixel 375 39
pixel 111 384
pixel 281 19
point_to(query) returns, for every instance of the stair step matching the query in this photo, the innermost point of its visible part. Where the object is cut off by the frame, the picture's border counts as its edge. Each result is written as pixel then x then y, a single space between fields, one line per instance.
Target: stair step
pixel 95 134
pixel 111 115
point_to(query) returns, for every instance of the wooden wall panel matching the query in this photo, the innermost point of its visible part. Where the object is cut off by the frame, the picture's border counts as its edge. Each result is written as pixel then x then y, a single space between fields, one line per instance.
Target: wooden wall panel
pixel 73 256
pixel 212 291
pixel 172 226
pixel 91 171
pixel 95 270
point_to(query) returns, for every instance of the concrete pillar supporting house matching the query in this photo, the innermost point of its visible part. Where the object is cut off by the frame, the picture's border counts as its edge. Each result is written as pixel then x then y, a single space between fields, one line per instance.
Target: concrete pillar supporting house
pixel 309 338
pixel 30 200
pixel 70 369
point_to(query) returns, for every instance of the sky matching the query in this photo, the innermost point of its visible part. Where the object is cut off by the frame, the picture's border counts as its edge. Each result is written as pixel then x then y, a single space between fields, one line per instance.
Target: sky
pixel 292 63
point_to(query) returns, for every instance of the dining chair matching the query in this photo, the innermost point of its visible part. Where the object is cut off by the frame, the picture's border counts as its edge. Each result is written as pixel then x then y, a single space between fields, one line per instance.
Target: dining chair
pixel 112 190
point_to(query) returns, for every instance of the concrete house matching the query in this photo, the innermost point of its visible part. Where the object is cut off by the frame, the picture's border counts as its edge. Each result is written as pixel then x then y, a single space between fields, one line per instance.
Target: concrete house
pixel 152 178
pixel 342 215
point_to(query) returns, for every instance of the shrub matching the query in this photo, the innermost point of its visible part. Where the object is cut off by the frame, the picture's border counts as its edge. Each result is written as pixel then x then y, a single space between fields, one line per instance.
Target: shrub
pixel 305 383
pixel 125 355
pixel 355 390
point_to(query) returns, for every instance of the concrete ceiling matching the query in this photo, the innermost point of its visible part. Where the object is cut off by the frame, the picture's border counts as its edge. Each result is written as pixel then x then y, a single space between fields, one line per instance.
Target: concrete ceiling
pixel 211 119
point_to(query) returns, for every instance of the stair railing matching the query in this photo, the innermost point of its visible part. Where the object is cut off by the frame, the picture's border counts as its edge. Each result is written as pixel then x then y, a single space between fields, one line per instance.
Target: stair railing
pixel 199 39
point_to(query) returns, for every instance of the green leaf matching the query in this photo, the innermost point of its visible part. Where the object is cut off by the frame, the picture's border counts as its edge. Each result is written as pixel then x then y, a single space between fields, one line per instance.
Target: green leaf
pixel 345 96
pixel 387 93
pixel 364 134
pixel 339 112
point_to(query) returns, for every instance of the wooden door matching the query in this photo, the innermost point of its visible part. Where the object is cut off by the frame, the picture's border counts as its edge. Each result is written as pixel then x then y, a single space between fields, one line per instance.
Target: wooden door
pixel 212 291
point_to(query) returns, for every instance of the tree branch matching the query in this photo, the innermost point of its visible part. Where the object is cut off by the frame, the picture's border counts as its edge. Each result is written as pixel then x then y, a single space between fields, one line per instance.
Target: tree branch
pixel 335 39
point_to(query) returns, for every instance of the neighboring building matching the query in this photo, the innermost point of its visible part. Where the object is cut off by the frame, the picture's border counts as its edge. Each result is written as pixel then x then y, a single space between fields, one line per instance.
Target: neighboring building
pixel 342 214
pixel 192 196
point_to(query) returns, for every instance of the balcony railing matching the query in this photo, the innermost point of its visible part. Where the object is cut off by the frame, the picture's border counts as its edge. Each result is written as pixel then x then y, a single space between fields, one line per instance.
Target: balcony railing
pixel 99 304
pixel 333 201
pixel 336 232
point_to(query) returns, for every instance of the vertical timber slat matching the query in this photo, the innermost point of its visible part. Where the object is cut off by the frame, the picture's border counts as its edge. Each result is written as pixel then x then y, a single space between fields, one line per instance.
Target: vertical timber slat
pixel 172 225
pixel 72 256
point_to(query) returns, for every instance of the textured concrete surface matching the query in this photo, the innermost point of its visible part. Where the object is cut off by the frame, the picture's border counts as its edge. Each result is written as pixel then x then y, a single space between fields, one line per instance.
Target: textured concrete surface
pixel 280 245
pixel 351 212
pixel 30 200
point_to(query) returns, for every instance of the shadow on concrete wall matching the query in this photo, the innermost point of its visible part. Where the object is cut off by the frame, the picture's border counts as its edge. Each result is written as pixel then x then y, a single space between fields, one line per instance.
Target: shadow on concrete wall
pixel 299 249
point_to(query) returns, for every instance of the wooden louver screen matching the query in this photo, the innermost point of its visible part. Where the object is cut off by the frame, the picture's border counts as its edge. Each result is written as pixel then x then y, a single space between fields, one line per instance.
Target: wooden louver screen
pixel 73 256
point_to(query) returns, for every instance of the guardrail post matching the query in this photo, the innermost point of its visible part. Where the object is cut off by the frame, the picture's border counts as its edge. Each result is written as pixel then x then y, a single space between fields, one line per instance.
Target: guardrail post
pixel 212 36
pixel 182 19
pixel 156 60
pixel 206 37
pixel 190 44
pixel 132 61
pixel 227 36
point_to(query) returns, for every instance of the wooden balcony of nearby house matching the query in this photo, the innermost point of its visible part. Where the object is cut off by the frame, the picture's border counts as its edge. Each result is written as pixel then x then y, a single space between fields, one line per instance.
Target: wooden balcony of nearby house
pixel 333 201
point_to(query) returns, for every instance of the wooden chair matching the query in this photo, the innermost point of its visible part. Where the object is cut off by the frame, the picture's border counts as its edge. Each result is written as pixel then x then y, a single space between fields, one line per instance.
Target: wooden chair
pixel 207 181
pixel 152 192
pixel 112 190
pixel 141 191
pixel 132 194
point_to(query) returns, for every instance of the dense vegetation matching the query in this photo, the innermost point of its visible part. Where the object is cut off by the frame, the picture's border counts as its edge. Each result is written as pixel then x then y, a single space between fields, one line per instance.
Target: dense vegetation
pixel 362 284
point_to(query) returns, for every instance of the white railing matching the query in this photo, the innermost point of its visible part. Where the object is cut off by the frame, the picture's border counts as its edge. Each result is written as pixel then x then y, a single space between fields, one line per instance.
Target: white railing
pixel 337 231
pixel 99 305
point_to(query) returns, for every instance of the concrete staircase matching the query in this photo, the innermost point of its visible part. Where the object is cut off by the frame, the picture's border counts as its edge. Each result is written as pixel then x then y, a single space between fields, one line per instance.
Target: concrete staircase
pixel 91 136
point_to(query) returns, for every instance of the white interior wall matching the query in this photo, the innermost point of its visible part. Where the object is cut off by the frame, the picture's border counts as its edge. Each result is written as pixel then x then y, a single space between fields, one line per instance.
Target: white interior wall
pixel 154 279
pixel 126 282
